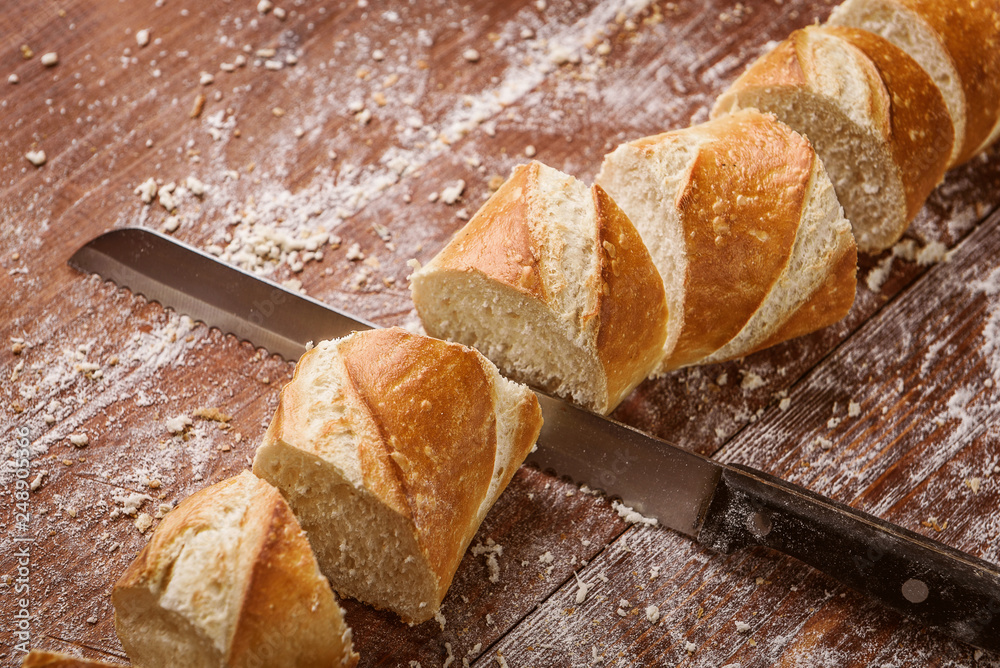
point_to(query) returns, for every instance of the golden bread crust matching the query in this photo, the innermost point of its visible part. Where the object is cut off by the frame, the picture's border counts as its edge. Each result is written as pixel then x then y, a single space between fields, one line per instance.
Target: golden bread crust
pixel 498 242
pixel 829 304
pixel 632 306
pixel 740 209
pixel 283 579
pixel 433 406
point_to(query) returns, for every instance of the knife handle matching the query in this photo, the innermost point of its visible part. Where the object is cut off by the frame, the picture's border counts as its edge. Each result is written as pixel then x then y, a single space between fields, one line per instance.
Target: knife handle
pixel 932 583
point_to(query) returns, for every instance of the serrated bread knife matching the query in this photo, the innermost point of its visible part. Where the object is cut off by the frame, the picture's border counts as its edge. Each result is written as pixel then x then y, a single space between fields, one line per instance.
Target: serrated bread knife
pixel 724 507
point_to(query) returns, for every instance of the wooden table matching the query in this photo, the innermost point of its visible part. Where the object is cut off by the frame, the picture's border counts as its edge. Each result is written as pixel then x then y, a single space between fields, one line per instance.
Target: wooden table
pixel 351 119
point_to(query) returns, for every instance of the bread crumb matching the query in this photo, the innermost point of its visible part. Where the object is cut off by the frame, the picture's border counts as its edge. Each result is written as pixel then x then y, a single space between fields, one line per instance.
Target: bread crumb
pixel 142 37
pixel 143 522
pixel 199 104
pixel 36 482
pixel 824 443
pixel 471 55
pixel 853 409
pixel 652 614
pixel 932 253
pixel 50 59
pixel 877 276
pixel 79 440
pixel 973 484
pixel 440 619
pixel 751 381
pixel 742 627
pixel 449 657
pixel 37 158
pixel 582 588
pixel 492 551
pixel 784 404
pixel 453 193
pixel 212 413
pixel 13 79
pixel 178 424
pixel 264 6
pixel 932 523
pixel 354 253
pixel 630 515
pixel 690 647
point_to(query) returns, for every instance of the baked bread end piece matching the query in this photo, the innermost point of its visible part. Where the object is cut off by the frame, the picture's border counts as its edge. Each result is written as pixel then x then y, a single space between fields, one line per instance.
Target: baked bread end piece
pixel 551 281
pixel 229 579
pixel 391 448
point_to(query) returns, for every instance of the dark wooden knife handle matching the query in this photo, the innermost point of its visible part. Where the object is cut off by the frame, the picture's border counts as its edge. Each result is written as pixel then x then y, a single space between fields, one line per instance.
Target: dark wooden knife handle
pixel 932 583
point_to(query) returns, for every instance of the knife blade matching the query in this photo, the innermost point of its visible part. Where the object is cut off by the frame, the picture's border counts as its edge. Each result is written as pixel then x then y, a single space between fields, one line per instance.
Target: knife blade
pixel 724 507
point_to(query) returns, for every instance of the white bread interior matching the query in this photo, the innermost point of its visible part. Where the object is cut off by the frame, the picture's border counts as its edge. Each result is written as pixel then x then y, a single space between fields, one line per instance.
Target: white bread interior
pixel 544 327
pixel 650 178
pixel 645 185
pixel 228 578
pixel 389 526
pixel 910 32
pixel 542 344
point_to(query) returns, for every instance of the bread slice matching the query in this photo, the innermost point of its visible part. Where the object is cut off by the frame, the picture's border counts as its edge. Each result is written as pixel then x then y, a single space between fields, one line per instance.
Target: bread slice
pixel 875 117
pixel 391 448
pixel 957 42
pixel 743 225
pixel 551 282
pixel 40 659
pixel 228 579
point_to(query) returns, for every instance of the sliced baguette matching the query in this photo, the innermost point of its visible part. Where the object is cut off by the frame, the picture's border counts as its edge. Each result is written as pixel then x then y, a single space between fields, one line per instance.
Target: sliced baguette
pixel 743 225
pixel 391 448
pixel 228 579
pixel 876 118
pixel 957 43
pixel 551 282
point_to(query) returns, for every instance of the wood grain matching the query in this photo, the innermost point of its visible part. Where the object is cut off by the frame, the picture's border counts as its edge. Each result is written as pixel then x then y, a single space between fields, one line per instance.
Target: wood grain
pixel 918 345
pixel 909 453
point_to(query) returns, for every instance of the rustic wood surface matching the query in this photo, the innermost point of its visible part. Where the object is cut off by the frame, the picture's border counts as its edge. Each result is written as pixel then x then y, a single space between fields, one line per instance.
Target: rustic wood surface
pixel 362 116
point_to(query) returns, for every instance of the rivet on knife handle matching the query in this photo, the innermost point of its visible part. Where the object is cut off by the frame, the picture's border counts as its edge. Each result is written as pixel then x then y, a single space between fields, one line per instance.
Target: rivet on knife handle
pixel 923 579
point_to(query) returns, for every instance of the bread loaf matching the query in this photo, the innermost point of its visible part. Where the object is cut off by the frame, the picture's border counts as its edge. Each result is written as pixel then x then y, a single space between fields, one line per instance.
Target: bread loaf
pixel 551 282
pixel 957 42
pixel 744 227
pixel 41 659
pixel 876 118
pixel 228 579
pixel 391 448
